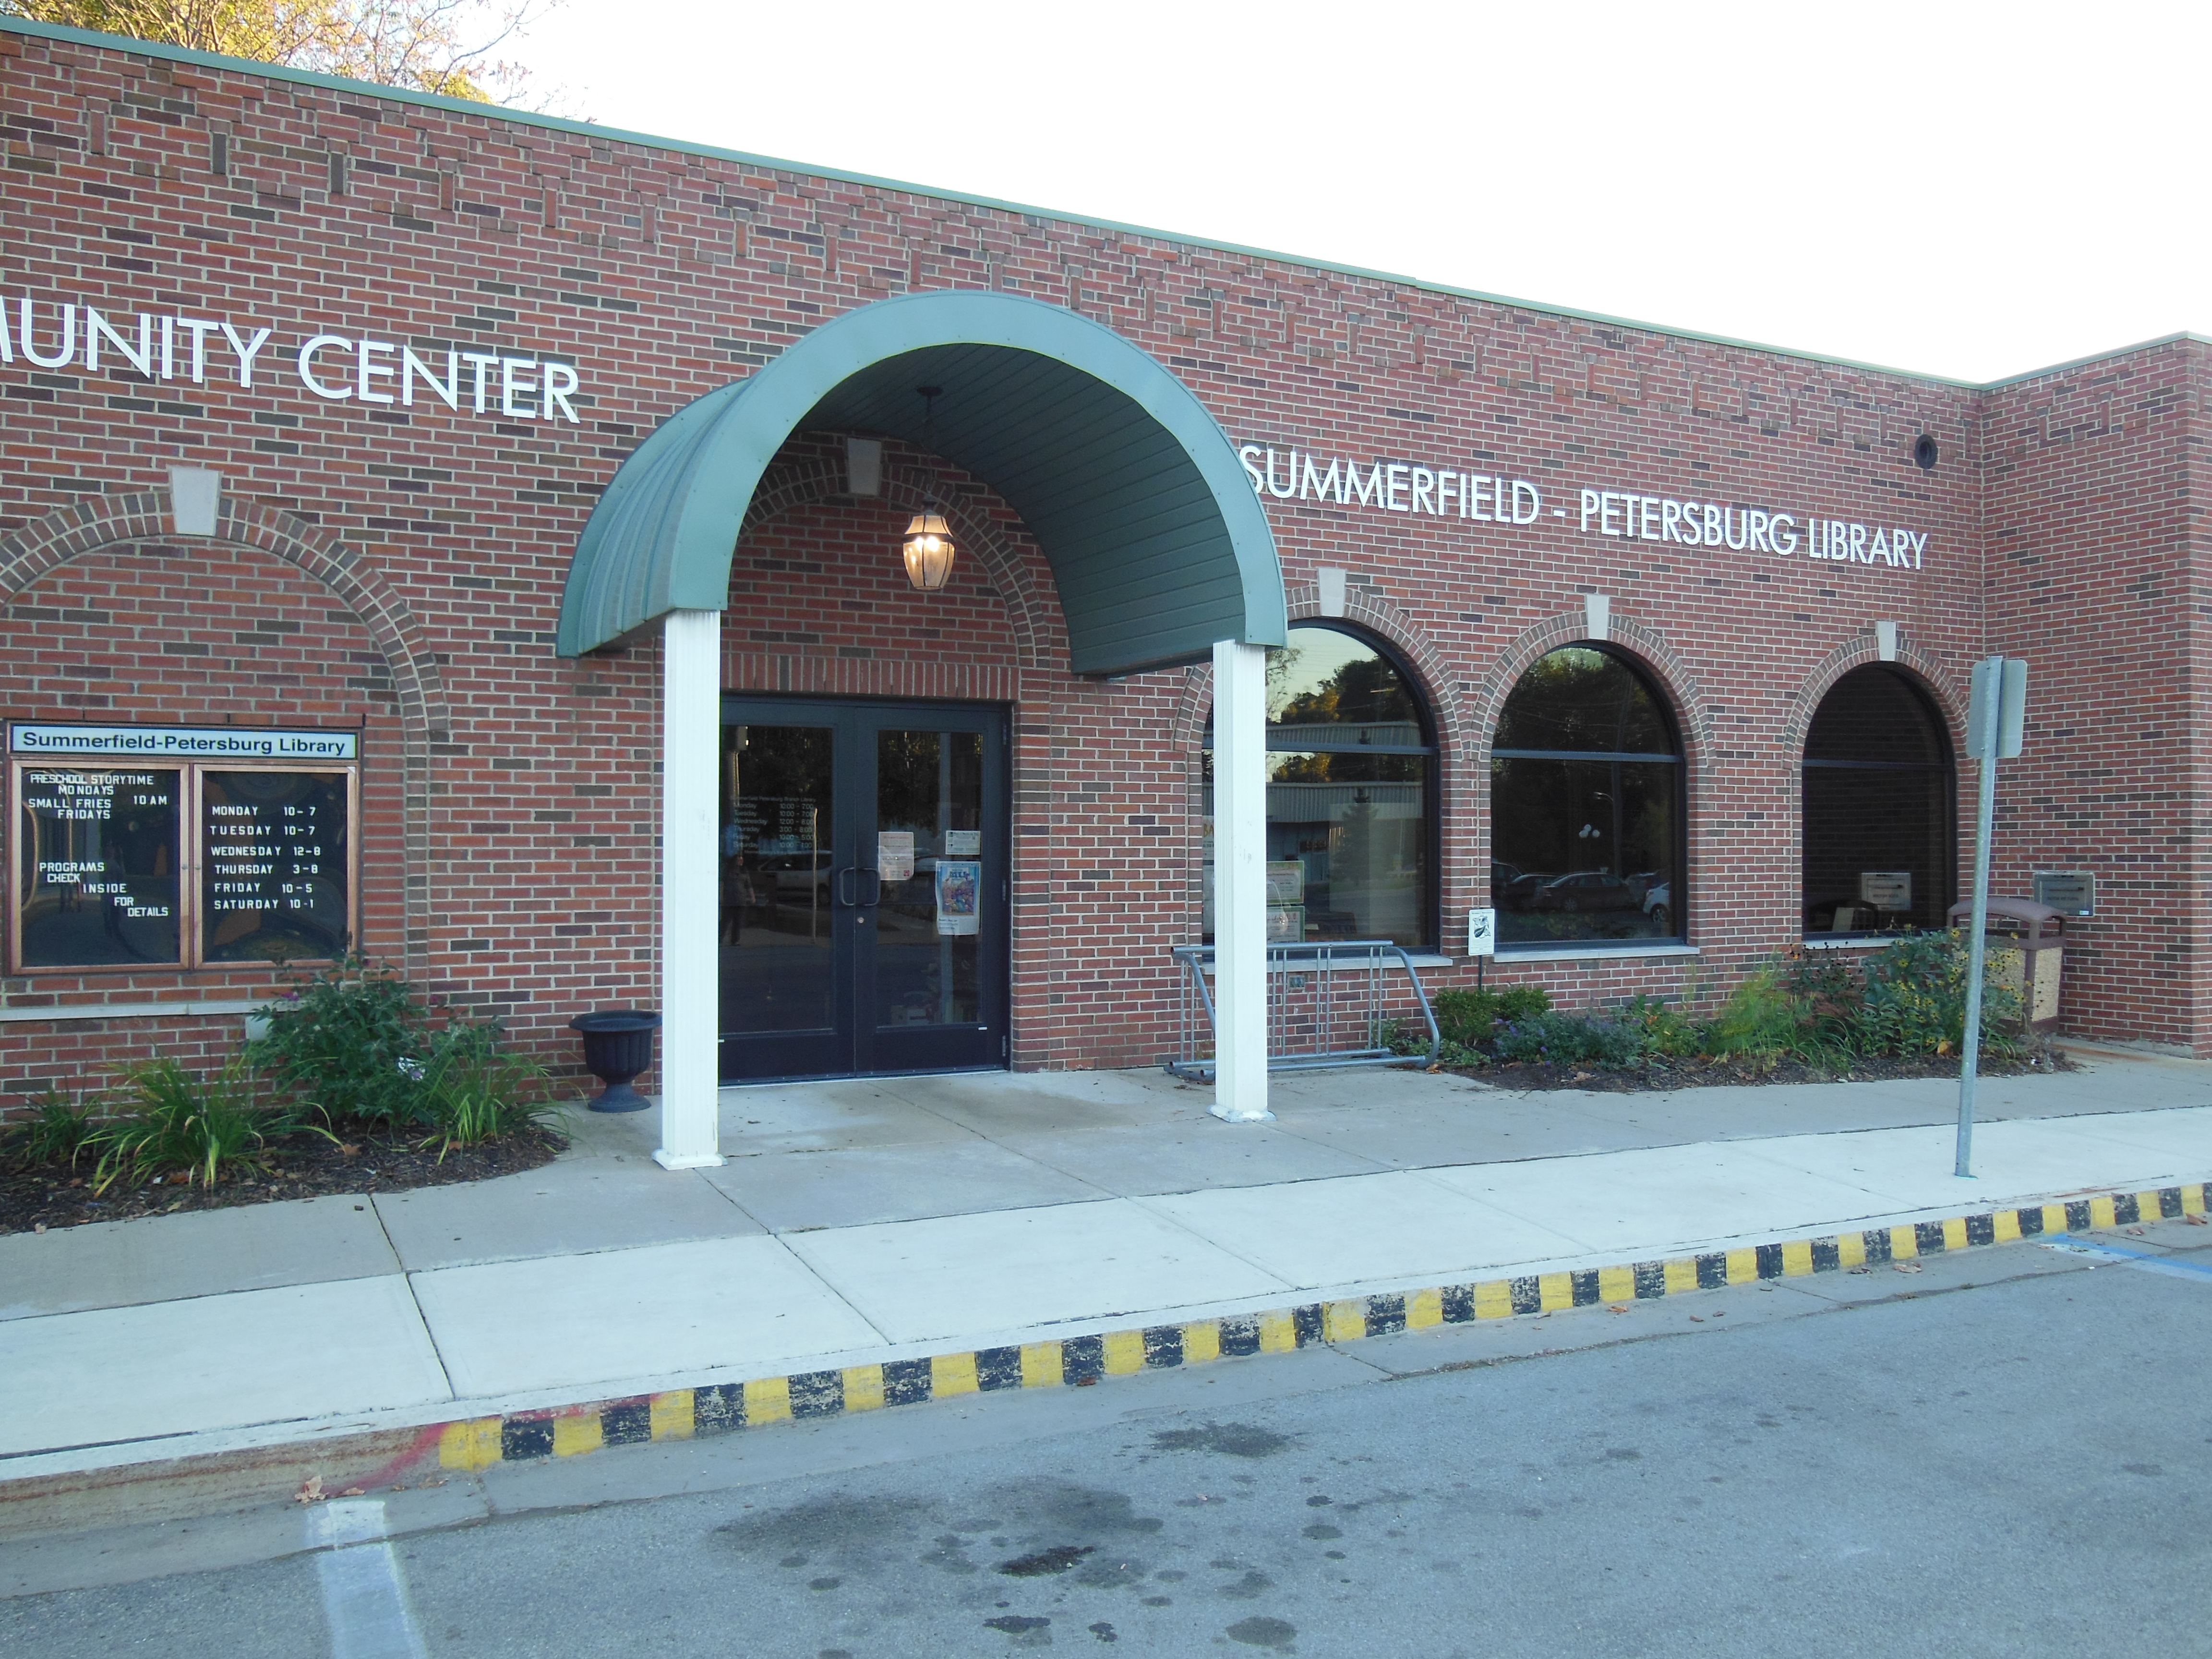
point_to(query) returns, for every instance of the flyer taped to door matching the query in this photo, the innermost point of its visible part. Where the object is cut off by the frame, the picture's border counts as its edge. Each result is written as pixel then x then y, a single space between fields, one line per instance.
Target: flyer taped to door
pixel 959 887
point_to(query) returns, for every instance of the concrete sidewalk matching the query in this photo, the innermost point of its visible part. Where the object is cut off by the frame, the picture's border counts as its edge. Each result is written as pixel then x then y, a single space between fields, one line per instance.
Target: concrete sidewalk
pixel 890 1218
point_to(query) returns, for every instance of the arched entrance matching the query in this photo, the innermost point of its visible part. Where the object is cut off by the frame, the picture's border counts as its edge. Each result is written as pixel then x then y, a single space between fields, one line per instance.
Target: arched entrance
pixel 1157 546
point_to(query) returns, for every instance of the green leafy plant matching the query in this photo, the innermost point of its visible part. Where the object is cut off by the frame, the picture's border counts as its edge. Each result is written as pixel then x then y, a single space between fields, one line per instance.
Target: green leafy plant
pixel 356 1043
pixel 60 1129
pixel 1813 1007
pixel 1562 1039
pixel 202 1128
pixel 352 1040
pixel 1830 996
pixel 1469 1016
pixel 1916 999
pixel 475 1091
pixel 1666 1028
pixel 1764 1020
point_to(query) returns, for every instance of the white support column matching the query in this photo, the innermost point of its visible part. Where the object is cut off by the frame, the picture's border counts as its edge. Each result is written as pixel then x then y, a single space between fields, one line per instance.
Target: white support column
pixel 1240 883
pixel 691 734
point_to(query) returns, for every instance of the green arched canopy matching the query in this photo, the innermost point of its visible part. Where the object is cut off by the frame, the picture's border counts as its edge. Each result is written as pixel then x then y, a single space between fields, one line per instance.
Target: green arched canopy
pixel 1157 541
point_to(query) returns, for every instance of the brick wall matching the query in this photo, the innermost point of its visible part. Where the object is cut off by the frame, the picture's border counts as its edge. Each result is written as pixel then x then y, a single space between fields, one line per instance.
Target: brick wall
pixel 2096 576
pixel 515 860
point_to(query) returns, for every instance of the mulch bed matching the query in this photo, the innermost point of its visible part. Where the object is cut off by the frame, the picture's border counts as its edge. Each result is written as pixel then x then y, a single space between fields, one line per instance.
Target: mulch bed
pixel 1692 1073
pixel 35 1197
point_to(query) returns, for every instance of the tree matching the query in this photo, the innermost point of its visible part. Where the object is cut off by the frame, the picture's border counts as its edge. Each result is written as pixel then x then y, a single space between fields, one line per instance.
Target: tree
pixel 447 46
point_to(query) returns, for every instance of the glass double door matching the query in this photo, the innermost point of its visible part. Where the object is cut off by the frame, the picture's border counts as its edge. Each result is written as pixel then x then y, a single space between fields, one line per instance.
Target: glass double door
pixel 864 888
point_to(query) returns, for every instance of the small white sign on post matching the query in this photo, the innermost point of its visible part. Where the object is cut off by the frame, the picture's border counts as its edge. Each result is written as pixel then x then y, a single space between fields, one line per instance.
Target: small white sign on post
pixel 1482 933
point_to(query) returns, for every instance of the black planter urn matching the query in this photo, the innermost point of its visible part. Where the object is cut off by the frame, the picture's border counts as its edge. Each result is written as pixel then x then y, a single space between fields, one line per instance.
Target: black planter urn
pixel 618 1046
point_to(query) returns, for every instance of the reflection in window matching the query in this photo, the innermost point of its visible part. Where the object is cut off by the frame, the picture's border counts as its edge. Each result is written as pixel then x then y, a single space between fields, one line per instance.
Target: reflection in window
pixel 274 865
pixel 1878 808
pixel 1585 805
pixel 1350 789
pixel 100 851
pixel 778 811
pixel 929 824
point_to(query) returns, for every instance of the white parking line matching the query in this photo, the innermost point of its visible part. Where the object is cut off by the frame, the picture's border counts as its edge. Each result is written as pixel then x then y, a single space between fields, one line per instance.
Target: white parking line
pixel 364 1592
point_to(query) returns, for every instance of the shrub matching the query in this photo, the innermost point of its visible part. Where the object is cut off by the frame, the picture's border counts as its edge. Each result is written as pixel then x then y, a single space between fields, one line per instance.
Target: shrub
pixel 184 1125
pixel 350 1040
pixel 1916 999
pixel 356 1043
pixel 1825 982
pixel 1809 1006
pixel 60 1129
pixel 1760 1021
pixel 1665 1027
pixel 1467 1017
pixel 1568 1040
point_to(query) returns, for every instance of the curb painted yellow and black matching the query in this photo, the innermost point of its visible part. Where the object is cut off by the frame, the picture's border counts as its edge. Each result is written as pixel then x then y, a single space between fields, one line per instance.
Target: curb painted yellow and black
pixel 725 1408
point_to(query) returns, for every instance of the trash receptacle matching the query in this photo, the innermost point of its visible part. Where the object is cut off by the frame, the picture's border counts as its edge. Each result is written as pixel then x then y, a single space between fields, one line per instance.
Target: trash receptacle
pixel 2026 945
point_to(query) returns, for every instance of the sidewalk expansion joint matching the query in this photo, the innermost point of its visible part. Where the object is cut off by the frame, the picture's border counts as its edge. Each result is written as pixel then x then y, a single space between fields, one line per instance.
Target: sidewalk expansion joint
pixel 1082 1361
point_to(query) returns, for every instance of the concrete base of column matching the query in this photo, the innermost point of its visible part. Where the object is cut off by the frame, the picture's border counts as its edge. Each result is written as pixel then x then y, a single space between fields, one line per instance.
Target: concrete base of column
pixel 668 1160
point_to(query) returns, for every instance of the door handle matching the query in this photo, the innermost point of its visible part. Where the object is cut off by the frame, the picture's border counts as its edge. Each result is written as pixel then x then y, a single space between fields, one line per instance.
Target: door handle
pixel 845 886
pixel 847 890
pixel 875 885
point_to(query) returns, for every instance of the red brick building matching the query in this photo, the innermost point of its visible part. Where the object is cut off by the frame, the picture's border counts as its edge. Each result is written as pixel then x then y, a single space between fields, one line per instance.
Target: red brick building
pixel 310 389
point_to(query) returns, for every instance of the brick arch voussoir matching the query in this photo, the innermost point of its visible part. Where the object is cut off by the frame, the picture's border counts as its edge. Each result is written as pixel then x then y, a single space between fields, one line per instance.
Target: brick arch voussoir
pixel 71 532
pixel 384 613
pixel 1459 793
pixel 68 534
pixel 1379 617
pixel 1406 637
pixel 1194 701
pixel 1459 796
pixel 1640 640
pixel 1857 652
pixel 803 483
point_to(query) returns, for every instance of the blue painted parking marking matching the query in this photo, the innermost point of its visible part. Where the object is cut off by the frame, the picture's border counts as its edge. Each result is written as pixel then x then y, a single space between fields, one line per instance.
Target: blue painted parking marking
pixel 2148 1263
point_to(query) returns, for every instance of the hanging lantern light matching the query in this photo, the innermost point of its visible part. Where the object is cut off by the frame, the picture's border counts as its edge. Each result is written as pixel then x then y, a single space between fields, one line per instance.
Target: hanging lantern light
pixel 929 547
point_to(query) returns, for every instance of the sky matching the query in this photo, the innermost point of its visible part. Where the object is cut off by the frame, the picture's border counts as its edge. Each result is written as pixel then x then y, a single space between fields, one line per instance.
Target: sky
pixel 1962 189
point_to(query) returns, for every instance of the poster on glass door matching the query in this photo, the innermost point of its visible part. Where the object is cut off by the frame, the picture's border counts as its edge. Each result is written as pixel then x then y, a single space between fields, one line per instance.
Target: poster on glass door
pixel 959 888
pixel 895 854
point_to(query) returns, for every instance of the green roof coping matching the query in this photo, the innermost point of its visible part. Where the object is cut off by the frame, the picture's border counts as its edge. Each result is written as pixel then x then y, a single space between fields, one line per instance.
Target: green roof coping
pixel 2182 339
pixel 683 147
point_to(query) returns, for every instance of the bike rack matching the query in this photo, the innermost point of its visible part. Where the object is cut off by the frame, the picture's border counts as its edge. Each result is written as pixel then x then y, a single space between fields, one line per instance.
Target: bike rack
pixel 1315 993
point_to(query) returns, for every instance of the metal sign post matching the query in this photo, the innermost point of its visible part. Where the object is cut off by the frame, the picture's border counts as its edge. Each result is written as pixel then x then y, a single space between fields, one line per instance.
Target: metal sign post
pixel 1995 724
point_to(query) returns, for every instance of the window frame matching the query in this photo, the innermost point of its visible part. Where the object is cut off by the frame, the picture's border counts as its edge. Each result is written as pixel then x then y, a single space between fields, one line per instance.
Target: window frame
pixel 1946 801
pixel 1679 875
pixel 191 857
pixel 1430 916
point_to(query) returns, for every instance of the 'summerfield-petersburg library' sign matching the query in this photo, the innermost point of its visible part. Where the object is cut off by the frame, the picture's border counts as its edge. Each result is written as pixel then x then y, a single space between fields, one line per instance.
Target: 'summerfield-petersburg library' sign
pixel 182 742
pixel 334 367
pixel 1449 493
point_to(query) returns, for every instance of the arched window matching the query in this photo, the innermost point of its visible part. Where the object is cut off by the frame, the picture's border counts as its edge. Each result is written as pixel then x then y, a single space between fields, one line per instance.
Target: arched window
pixel 1879 812
pixel 1586 805
pixel 1352 822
